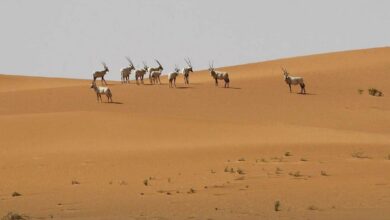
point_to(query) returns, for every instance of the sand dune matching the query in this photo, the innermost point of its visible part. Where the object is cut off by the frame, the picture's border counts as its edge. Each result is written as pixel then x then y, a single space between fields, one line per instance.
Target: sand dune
pixel 183 143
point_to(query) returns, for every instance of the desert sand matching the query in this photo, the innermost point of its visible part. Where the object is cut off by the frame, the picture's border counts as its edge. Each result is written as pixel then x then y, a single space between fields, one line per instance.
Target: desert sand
pixel 201 152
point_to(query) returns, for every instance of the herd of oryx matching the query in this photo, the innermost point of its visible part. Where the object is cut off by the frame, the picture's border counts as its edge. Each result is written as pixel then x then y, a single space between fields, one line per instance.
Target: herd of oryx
pixel 154 74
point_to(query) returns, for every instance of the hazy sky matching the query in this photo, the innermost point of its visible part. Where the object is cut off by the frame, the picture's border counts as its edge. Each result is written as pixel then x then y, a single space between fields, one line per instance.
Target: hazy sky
pixel 69 38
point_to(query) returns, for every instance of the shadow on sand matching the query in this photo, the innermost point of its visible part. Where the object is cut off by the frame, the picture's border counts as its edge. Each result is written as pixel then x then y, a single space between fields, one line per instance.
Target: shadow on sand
pixel 308 93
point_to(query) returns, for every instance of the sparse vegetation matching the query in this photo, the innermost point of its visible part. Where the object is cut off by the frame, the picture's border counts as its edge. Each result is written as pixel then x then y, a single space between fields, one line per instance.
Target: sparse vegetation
pixel 375 92
pixel 146 182
pixel 313 208
pixel 278 171
pixel 295 174
pixel 324 173
pixel 279 159
pixel 75 182
pixel 241 159
pixel 304 159
pixel 229 170
pixel 360 155
pixel 240 171
pixel 360 91
pixel 388 157
pixel 191 191
pixel 287 154
pixel 16 194
pixel 14 216
pixel 277 206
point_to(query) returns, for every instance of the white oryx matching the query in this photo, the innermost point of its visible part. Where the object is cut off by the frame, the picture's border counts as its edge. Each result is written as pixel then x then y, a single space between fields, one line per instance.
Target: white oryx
pixel 155 73
pixel 140 73
pixel 101 74
pixel 172 77
pixel 125 72
pixel 99 90
pixel 219 75
pixel 186 71
pixel 294 80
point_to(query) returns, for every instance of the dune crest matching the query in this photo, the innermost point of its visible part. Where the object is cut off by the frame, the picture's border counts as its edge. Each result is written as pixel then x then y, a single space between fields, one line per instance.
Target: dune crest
pixel 199 151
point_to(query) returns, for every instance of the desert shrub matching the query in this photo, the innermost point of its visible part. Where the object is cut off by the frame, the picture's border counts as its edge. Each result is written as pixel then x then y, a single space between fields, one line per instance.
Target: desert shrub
pixel 313 208
pixel 277 206
pixel 323 173
pixel 295 174
pixel 240 171
pixel 375 92
pixel 14 216
pixel 15 194
pixel 359 155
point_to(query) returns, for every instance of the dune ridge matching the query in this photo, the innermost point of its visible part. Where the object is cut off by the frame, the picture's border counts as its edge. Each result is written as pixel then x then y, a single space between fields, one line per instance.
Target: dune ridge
pixel 201 152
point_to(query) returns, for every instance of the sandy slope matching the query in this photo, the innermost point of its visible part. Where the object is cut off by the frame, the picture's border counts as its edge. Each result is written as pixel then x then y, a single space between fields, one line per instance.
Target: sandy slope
pixel 52 132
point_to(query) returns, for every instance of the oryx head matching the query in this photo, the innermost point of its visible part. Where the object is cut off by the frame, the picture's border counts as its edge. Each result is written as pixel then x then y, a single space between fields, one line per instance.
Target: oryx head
pixel 188 61
pixel 211 66
pixel 105 67
pixel 177 69
pixel 285 73
pixel 131 65
pixel 145 66
pixel 159 65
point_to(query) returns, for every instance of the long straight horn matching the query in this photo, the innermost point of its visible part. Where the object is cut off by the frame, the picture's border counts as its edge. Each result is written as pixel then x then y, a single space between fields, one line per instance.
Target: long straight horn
pixel 188 61
pixel 128 59
pixel 158 62
pixel 131 62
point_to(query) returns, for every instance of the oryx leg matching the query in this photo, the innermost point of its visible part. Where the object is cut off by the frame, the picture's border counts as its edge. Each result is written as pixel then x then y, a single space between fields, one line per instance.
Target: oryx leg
pixel 103 80
pixel 303 89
